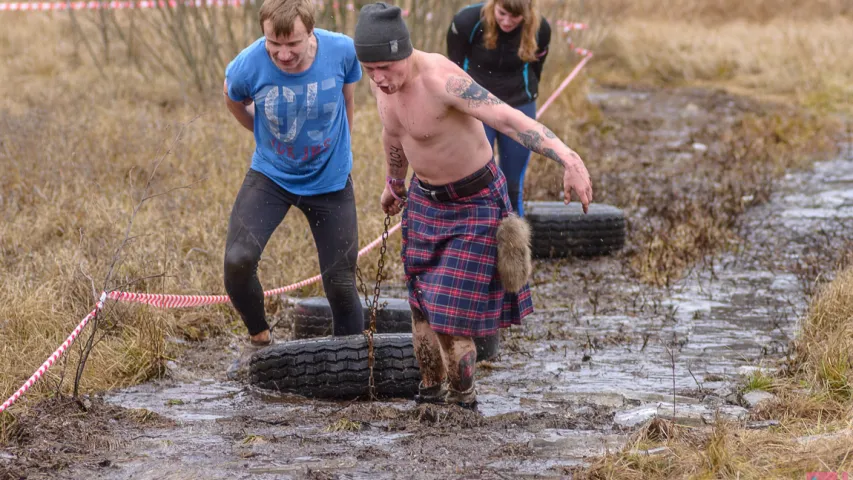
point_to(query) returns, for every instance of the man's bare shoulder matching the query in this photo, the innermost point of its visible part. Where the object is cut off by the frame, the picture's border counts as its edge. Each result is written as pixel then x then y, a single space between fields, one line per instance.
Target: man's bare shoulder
pixel 444 79
pixel 437 71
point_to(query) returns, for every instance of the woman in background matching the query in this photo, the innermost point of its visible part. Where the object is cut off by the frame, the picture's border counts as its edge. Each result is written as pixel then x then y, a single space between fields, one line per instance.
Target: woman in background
pixel 503 44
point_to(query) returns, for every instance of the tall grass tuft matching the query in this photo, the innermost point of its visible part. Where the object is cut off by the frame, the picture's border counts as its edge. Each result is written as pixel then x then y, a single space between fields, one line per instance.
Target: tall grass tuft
pixel 824 348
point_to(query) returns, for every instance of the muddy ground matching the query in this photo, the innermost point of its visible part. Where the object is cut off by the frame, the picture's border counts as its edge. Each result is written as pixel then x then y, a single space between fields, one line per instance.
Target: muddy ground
pixel 602 353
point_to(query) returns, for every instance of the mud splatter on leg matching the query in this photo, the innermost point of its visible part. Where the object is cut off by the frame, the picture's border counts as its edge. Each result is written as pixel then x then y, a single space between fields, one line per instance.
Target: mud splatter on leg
pixel 427 350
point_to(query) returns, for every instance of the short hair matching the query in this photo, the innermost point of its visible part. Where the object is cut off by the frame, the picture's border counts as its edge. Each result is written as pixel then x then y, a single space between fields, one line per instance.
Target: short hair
pixel 283 14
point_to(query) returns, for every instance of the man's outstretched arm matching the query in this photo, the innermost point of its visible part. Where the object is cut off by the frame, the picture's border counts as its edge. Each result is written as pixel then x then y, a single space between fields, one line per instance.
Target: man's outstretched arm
pixel 469 97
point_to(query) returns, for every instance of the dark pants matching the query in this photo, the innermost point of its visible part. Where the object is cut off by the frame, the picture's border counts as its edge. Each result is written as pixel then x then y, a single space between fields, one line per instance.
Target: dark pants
pixel 260 207
pixel 513 159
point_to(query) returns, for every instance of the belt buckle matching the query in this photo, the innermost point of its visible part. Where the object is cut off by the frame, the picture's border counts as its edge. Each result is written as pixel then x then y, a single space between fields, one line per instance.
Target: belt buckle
pixel 430 193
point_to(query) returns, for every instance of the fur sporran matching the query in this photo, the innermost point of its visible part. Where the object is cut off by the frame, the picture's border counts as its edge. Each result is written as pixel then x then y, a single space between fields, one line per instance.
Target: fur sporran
pixel 514 258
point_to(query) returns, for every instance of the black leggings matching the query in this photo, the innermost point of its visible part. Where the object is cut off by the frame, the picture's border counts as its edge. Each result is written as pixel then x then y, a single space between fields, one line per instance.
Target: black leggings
pixel 259 208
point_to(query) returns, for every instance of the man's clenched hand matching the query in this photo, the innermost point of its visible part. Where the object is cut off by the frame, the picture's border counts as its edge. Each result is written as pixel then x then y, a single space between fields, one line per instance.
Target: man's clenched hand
pixel 390 204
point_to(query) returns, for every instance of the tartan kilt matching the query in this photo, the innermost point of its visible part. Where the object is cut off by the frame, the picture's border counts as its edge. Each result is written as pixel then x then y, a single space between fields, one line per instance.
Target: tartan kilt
pixel 449 253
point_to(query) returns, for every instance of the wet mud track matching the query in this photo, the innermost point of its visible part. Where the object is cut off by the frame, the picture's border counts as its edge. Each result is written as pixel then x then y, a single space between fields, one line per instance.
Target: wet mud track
pixel 601 353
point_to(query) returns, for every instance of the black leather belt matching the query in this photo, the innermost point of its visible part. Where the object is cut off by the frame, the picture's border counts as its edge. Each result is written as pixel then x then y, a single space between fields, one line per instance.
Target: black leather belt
pixel 463 188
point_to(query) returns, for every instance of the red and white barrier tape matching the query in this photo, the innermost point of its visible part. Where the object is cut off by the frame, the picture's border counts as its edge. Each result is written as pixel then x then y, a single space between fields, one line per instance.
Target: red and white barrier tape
pixel 181 301
pixel 163 301
pixel 122 5
pixel 587 55
pixel 113 5
pixel 53 358
pixel 569 26
pixel 145 4
pixel 140 4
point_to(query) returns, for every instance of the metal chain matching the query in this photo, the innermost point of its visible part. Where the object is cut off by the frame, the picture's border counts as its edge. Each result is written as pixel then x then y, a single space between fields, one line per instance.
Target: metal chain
pixel 374 306
pixel 361 286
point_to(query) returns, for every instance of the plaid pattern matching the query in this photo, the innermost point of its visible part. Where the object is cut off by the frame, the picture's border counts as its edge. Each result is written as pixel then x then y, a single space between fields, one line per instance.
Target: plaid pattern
pixel 449 253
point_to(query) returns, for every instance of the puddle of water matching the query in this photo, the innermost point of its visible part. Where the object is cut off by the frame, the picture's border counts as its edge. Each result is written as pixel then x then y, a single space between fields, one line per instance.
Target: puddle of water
pixel 598 97
pixel 710 324
pixel 538 468
pixel 827 196
pixel 555 449
pixel 573 444
pixel 201 400
pixel 304 464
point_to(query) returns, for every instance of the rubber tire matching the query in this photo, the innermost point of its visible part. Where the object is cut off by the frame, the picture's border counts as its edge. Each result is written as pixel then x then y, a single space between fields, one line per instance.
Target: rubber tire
pixel 336 367
pixel 312 317
pixel 559 230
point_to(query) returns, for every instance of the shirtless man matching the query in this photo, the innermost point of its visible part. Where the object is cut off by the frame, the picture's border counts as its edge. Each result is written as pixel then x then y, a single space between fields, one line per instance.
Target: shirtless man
pixel 432 116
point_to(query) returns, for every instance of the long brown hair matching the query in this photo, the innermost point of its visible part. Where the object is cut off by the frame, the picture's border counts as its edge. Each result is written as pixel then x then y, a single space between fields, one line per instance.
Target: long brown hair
pixel 529 25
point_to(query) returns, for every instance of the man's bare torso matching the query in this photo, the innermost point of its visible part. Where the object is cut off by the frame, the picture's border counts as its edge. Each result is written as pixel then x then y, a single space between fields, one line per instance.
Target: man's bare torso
pixel 441 143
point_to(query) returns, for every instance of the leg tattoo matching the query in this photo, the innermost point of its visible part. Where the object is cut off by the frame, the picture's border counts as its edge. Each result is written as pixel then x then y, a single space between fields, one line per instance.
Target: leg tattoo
pixel 461 356
pixel 466 370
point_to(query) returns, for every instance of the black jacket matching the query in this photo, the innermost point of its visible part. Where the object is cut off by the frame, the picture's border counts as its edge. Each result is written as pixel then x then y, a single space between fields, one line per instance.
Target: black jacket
pixel 499 71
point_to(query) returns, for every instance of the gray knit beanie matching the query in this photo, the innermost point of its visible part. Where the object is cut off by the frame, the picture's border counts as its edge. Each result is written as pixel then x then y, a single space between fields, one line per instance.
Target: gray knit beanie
pixel 381 34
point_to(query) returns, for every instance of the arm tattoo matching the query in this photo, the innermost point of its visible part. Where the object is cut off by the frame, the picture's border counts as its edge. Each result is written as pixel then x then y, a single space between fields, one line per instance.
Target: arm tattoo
pixel 532 140
pixel 467 89
pixel 396 156
pixel 548 132
pixel 550 153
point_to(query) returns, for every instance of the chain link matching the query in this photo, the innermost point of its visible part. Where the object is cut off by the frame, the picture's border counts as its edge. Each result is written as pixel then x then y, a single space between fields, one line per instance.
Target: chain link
pixel 361 286
pixel 374 306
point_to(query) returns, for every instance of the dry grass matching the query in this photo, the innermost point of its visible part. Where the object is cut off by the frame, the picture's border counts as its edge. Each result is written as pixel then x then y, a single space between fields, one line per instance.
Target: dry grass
pixel 799 61
pixel 80 135
pixel 824 348
pixel 722 11
pixel 789 51
pixel 724 451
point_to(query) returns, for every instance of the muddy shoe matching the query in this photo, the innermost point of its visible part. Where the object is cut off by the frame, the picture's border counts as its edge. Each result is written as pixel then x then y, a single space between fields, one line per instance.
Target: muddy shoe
pixel 433 394
pixel 239 368
pixel 465 399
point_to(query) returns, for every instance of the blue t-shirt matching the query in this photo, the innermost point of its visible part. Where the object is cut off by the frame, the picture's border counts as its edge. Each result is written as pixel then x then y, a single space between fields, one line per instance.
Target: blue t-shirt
pixel 301 130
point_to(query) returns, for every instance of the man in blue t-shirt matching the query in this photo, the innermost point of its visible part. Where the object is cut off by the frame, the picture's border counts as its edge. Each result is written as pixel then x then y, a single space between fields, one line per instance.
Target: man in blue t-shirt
pixel 293 88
